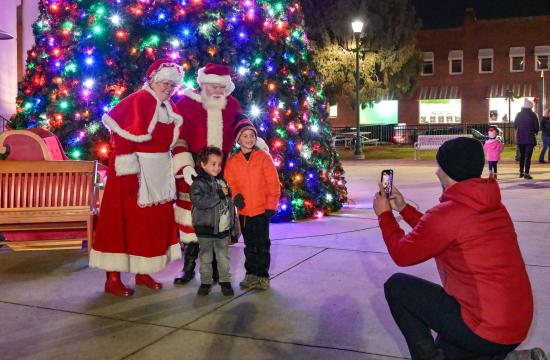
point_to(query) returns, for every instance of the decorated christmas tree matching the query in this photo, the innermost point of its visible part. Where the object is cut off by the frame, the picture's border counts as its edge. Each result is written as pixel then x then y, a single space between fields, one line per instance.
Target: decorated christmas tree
pixel 89 54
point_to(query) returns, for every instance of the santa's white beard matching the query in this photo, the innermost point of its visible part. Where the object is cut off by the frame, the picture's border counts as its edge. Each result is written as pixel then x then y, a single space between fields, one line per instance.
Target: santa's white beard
pixel 213 103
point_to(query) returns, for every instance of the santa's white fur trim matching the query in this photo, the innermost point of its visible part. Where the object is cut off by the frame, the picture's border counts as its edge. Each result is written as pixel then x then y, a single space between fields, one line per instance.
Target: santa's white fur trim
pixel 168 73
pixel 224 80
pixel 127 164
pixel 111 124
pixel 214 128
pixel 193 94
pixel 177 118
pixel 183 216
pixel 182 160
pixel 132 263
pixel 188 238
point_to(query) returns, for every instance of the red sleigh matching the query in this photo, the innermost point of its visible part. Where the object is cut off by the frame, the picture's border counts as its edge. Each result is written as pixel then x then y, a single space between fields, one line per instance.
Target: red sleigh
pixel 46 200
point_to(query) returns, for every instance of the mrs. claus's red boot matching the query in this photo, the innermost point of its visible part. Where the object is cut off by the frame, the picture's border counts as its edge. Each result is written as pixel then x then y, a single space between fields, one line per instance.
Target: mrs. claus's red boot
pixel 114 285
pixel 143 279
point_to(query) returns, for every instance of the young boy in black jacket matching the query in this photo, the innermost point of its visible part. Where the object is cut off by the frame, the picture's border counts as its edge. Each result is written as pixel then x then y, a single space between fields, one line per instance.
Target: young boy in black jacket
pixel 213 217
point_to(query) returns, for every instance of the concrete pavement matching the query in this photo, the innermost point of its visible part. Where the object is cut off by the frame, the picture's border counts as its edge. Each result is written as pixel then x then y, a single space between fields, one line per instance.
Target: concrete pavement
pixel 326 300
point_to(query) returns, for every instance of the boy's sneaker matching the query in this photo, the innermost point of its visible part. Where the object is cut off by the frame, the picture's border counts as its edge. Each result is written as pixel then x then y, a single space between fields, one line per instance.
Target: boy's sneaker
pixel 263 283
pixel 529 354
pixel 250 281
pixel 528 177
pixel 204 289
pixel 227 289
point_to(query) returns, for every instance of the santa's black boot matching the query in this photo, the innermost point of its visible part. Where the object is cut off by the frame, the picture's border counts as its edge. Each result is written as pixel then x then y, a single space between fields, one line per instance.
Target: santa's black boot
pixel 189 262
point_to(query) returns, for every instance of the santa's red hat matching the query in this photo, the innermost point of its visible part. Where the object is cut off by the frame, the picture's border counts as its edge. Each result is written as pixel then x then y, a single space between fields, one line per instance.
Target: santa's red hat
pixel 164 70
pixel 216 74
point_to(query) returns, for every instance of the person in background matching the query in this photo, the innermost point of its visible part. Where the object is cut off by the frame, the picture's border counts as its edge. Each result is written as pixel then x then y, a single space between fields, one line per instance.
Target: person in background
pixel 545 130
pixel 527 127
pixel 493 148
pixel 484 308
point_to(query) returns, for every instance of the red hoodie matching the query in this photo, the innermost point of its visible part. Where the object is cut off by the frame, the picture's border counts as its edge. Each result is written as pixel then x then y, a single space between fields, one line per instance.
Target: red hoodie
pixel 472 238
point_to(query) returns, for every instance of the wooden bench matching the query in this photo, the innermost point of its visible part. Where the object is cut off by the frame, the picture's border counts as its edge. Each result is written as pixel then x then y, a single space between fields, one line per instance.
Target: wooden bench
pixel 48 195
pixel 433 142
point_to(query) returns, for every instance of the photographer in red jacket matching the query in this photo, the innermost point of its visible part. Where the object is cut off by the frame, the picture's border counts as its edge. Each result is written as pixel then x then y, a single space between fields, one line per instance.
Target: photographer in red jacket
pixel 485 307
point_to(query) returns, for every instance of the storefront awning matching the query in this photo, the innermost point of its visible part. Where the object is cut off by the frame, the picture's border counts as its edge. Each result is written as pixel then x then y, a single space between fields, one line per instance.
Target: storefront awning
pixel 439 92
pixel 519 90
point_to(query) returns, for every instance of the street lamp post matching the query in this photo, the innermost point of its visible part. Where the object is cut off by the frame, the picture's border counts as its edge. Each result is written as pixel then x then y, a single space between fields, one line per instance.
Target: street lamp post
pixel 543 92
pixel 357 27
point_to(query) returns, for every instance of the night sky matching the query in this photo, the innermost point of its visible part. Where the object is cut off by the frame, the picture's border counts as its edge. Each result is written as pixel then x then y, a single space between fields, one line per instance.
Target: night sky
pixel 450 13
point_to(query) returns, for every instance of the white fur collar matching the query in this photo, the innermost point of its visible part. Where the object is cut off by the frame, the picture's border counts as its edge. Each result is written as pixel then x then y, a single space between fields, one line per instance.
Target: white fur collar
pixel 193 94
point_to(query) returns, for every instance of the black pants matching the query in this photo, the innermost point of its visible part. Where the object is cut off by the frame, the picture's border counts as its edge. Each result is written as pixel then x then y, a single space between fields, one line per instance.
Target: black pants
pixel 419 306
pixel 493 166
pixel 255 232
pixel 525 153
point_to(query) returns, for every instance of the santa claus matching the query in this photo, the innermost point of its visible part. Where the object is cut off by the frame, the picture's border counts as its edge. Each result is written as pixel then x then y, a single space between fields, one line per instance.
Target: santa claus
pixel 210 117
pixel 136 230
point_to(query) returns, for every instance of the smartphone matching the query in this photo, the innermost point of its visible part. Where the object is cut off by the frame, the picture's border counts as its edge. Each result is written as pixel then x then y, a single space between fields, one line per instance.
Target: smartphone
pixel 386 178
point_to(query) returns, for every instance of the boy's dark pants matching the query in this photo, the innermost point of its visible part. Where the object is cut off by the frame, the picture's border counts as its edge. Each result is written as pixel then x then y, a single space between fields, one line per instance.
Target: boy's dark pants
pixel 255 232
pixel 419 306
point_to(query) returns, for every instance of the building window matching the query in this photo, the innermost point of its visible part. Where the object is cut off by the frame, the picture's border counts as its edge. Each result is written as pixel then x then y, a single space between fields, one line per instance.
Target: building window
pixel 333 111
pixel 455 62
pixel 542 54
pixel 486 57
pixel 517 59
pixel 428 64
pixel 456 66
pixel 440 111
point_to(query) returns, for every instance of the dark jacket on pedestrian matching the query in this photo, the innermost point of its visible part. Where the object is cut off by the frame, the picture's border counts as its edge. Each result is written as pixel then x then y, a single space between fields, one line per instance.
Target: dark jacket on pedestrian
pixel 545 126
pixel 527 127
pixel 209 202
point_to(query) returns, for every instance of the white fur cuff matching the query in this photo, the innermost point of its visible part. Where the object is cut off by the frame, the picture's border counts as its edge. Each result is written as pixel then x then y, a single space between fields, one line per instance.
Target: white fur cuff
pixel 127 164
pixel 182 160
pixel 112 125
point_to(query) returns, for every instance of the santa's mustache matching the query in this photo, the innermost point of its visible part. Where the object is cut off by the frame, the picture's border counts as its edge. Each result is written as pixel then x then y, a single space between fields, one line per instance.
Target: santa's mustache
pixel 213 102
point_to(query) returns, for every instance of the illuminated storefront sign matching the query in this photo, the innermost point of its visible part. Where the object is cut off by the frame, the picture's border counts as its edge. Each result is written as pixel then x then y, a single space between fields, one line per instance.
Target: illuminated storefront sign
pixel 440 111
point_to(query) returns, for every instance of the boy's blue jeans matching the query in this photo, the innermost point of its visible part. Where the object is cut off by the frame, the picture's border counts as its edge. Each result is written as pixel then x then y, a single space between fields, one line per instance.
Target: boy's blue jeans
pixel 207 247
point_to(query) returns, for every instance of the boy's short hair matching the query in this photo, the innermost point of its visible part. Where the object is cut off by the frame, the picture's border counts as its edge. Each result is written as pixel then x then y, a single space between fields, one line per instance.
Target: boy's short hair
pixel 205 153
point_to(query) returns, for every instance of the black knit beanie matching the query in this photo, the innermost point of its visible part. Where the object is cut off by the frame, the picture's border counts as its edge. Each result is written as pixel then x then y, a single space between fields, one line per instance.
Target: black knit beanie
pixel 461 158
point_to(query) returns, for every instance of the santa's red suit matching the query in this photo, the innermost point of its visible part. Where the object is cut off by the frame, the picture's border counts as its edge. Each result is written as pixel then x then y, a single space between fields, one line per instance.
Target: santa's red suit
pixel 136 230
pixel 202 127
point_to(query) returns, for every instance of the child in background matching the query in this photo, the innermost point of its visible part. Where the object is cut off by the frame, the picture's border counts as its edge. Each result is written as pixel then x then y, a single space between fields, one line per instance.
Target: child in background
pixel 254 181
pixel 213 217
pixel 493 148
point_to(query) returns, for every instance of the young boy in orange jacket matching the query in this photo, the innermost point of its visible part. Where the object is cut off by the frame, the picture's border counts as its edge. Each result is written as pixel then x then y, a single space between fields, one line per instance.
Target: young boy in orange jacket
pixel 255 186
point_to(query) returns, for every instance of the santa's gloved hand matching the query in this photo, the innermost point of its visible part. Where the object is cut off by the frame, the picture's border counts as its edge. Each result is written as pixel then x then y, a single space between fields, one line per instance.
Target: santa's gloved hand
pixel 262 145
pixel 188 173
pixel 238 201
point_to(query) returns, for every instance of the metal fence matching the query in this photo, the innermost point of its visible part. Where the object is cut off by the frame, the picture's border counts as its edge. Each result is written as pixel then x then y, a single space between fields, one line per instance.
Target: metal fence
pixel 408 134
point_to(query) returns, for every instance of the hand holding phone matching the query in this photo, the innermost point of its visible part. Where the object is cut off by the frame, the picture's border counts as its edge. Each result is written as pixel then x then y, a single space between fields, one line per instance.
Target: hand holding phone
pixel 386 178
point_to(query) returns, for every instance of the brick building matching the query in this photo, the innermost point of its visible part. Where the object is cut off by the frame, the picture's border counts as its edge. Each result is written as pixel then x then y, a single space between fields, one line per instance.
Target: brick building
pixel 470 70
